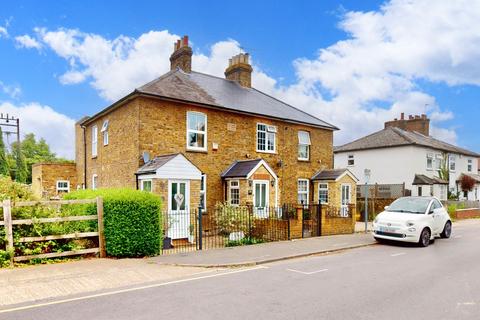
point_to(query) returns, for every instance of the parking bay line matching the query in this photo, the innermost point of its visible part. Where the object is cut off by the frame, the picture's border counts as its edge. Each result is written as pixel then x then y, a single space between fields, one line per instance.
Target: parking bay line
pixel 307 273
pixel 397 254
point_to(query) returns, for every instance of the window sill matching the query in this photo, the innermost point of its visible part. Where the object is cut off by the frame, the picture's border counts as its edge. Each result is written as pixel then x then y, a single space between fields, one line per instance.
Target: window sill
pixel 268 152
pixel 94 157
pixel 303 160
pixel 197 150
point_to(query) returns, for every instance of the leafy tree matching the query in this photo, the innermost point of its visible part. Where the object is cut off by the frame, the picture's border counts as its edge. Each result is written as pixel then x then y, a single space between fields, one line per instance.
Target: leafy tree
pixel 4 169
pixel 467 183
pixel 444 172
pixel 21 171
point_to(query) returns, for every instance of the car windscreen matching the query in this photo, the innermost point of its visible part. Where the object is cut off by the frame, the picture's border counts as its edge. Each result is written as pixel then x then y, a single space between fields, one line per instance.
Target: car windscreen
pixel 409 205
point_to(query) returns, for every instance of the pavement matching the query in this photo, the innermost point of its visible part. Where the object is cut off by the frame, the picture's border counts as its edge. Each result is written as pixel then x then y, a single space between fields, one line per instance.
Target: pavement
pixel 360 226
pixel 387 281
pixel 266 252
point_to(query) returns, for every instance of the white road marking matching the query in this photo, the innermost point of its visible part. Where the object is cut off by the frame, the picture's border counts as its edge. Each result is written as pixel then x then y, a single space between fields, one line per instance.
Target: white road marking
pixel 397 254
pixel 307 273
pixel 466 303
pixel 111 293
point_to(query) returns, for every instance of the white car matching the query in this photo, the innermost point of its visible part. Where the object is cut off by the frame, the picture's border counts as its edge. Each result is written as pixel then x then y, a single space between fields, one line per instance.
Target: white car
pixel 413 219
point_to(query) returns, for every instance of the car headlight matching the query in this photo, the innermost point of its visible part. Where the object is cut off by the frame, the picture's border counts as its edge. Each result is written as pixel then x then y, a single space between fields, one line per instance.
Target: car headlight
pixel 410 224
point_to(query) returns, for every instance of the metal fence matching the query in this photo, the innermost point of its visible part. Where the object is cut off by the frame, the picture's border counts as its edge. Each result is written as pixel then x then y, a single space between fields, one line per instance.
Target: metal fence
pixel 226 226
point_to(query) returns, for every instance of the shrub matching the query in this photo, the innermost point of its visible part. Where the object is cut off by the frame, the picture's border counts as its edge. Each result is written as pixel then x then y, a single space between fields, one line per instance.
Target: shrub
pixel 233 219
pixel 132 221
pixel 13 190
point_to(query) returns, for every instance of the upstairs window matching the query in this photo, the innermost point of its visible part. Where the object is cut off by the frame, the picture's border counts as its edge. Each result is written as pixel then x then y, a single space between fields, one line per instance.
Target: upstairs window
pixel 234 192
pixel 470 165
pixel 104 131
pixel 266 138
pixel 304 145
pixel 323 192
pixel 203 192
pixel 438 162
pixel 430 161
pixel 196 131
pixel 63 186
pixel 303 191
pixel 351 160
pixel 452 163
pixel 94 141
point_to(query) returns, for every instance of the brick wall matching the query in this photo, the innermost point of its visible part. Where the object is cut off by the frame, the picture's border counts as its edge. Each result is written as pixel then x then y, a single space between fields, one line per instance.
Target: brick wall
pixel 46 175
pixel 467 213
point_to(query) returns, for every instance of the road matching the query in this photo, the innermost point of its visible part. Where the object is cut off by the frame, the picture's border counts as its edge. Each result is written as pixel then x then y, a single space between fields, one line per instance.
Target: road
pixel 377 282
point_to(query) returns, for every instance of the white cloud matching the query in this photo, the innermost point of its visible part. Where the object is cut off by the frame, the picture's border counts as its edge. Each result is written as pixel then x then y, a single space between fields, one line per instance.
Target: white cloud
pixel 28 42
pixel 11 91
pixel 3 32
pixel 57 129
pixel 357 83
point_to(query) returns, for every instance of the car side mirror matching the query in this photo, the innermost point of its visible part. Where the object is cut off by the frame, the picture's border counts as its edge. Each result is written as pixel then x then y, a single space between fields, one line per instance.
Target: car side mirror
pixel 431 211
pixel 386 207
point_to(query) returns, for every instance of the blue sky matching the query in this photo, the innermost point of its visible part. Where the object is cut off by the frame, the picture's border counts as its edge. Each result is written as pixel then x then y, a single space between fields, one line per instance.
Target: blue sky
pixel 348 62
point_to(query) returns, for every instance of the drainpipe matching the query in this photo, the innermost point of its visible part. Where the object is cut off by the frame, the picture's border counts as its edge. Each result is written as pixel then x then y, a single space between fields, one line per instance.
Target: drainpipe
pixel 84 156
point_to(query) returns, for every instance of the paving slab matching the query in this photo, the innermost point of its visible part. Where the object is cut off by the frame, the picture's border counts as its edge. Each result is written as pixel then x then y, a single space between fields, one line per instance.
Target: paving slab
pixel 265 252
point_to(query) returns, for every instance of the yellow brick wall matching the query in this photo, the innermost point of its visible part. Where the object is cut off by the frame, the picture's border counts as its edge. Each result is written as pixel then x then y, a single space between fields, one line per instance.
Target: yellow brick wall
pixel 46 175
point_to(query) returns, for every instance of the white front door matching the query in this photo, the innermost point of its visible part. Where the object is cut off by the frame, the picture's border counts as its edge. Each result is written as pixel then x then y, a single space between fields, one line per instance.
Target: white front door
pixel 345 200
pixel 260 198
pixel 178 209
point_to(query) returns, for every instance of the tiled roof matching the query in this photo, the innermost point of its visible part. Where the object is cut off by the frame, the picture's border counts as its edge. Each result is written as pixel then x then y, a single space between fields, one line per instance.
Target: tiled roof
pixel 330 174
pixel 157 162
pixel 421 179
pixel 393 137
pixel 221 93
pixel 240 169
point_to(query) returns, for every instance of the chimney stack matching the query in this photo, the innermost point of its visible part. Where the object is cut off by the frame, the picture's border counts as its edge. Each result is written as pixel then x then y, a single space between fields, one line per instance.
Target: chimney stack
pixel 181 56
pixel 417 123
pixel 240 70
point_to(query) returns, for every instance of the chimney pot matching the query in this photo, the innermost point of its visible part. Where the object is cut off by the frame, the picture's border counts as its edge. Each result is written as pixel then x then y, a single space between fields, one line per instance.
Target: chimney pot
pixel 185 41
pixel 402 116
pixel 240 70
pixel 182 55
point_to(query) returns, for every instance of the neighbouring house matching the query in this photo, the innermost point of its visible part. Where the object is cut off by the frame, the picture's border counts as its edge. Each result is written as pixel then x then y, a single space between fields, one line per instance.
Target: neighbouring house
pixel 53 179
pixel 203 139
pixel 405 153
pixel 473 194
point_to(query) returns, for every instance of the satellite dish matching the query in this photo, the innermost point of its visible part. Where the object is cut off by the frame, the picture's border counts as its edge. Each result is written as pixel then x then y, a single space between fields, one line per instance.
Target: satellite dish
pixel 146 156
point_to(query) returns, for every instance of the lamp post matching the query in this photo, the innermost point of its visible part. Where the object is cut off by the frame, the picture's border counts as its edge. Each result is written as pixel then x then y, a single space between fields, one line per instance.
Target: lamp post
pixel 366 174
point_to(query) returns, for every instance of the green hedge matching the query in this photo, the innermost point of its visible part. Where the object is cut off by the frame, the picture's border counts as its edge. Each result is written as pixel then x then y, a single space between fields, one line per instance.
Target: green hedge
pixel 132 221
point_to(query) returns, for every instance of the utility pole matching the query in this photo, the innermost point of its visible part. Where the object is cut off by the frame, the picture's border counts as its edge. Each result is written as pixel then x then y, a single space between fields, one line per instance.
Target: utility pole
pixel 12 124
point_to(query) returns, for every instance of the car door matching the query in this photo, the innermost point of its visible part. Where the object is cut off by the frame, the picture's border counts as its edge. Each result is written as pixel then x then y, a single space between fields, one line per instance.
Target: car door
pixel 438 216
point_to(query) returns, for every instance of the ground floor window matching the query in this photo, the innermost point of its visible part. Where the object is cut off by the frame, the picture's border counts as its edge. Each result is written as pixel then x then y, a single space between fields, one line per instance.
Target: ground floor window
pixel 234 192
pixel 63 186
pixel 323 192
pixel 94 182
pixel 146 185
pixel 303 191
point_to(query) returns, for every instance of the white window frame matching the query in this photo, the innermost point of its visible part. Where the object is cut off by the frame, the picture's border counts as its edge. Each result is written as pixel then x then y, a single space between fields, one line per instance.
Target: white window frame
pixel 233 187
pixel 203 191
pixel 320 188
pixel 268 135
pixel 142 186
pixel 94 182
pixel 303 192
pixel 351 157
pixel 67 189
pixel 104 131
pixel 430 157
pixel 94 141
pixel 205 143
pixel 452 160
pixel 469 165
pixel 438 162
pixel 306 144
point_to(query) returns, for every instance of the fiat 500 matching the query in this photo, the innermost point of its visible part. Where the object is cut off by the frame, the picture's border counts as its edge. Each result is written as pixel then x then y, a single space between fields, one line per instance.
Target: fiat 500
pixel 413 219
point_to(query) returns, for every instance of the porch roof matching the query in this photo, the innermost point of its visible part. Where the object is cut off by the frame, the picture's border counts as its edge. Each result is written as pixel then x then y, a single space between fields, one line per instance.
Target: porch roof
pixel 421 179
pixel 332 174
pixel 241 168
pixel 157 162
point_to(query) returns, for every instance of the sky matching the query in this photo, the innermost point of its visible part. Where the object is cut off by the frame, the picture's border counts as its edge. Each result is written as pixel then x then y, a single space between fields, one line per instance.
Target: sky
pixel 355 64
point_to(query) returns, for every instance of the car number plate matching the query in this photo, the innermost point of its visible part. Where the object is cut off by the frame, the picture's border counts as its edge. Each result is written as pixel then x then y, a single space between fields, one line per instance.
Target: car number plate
pixel 385 229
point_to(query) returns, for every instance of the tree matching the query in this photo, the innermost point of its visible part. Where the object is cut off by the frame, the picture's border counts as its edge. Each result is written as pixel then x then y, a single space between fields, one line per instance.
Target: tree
pixel 467 183
pixel 444 172
pixel 21 170
pixel 4 168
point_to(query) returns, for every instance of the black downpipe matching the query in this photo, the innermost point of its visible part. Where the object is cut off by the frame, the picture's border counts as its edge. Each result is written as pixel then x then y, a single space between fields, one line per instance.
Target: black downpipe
pixel 84 157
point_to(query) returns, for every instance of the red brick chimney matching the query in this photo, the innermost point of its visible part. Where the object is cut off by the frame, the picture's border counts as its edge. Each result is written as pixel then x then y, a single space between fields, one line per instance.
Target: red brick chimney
pixel 417 123
pixel 181 56
pixel 240 70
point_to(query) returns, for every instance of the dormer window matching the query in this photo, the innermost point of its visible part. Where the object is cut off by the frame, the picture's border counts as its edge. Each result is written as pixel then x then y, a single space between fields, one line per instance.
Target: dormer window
pixel 196 131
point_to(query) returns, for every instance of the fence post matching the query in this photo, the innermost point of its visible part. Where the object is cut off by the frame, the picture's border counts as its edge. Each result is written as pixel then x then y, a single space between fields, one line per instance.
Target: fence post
pixel 319 218
pixel 101 234
pixel 7 219
pixel 303 219
pixel 287 207
pixel 200 231
pixel 249 213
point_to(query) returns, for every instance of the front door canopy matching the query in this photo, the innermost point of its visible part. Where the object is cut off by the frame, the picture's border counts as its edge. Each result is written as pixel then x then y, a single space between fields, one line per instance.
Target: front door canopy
pixel 244 169
pixel 171 166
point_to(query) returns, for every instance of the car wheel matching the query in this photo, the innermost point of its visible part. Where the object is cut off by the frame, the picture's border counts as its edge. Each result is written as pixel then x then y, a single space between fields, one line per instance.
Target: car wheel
pixel 447 230
pixel 424 240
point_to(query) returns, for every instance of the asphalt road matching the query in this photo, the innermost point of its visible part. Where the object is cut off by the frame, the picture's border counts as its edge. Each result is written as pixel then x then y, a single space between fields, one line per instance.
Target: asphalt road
pixel 378 282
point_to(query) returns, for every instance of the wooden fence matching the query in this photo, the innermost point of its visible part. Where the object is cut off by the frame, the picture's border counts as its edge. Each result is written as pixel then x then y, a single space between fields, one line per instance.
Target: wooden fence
pixel 8 223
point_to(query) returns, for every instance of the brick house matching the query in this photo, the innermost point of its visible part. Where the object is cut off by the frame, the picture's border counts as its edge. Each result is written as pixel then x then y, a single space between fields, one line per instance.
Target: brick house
pixel 204 139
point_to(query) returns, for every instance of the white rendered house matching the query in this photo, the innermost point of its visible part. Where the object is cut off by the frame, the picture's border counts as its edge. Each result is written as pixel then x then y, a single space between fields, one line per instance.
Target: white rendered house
pixel 403 150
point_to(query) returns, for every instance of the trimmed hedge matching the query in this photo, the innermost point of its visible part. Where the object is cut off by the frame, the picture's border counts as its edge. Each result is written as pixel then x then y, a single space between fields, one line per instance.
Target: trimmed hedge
pixel 132 220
